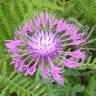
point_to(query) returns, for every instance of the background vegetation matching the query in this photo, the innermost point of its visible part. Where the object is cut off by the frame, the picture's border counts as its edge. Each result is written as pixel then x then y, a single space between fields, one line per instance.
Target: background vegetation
pixel 78 82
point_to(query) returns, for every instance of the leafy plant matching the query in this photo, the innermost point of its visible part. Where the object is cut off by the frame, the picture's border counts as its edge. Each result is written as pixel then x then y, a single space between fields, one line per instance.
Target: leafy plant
pixel 79 81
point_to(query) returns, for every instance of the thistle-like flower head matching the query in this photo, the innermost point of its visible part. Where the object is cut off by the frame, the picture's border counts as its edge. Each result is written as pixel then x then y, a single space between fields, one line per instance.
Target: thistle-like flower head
pixel 42 43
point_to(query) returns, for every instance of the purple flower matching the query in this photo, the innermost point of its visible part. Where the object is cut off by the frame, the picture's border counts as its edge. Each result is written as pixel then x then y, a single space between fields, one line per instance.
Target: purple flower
pixel 42 42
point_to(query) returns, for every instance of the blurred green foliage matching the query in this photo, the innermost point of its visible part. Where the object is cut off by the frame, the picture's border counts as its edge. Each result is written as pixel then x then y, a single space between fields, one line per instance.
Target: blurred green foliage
pixel 78 82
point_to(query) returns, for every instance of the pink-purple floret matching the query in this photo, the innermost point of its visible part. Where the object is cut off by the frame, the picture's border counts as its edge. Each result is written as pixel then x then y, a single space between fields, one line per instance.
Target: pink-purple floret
pixel 47 39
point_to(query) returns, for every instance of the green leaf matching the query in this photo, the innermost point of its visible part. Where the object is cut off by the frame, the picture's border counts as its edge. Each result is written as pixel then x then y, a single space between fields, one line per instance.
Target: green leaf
pixel 77 89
